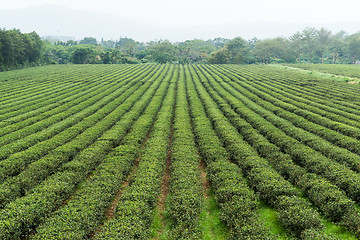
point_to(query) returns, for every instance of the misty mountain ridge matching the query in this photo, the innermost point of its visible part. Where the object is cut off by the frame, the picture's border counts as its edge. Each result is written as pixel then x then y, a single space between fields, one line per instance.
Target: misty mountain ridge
pixel 52 20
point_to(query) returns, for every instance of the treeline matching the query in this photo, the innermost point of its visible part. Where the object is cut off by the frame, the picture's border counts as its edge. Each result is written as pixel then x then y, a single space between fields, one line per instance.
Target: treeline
pixel 309 45
pixel 19 49
pixel 127 50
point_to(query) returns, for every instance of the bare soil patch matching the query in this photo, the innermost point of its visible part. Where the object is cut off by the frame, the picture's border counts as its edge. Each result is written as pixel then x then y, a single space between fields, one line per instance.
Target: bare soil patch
pixel 204 181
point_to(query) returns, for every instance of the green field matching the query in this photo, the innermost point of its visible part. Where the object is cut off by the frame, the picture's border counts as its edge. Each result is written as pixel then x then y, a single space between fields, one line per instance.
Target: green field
pixel 178 152
pixel 350 70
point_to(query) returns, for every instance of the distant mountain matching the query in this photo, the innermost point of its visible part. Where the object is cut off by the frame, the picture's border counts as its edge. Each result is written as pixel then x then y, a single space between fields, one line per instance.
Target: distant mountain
pixel 62 21
pixel 57 20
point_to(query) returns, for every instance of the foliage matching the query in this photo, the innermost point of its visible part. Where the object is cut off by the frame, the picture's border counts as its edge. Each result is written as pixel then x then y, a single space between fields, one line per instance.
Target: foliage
pixel 82 55
pixel 235 51
pixel 162 51
pixel 309 45
pixel 89 40
pixel 74 137
pixel 19 49
pixel 354 46
pixel 221 56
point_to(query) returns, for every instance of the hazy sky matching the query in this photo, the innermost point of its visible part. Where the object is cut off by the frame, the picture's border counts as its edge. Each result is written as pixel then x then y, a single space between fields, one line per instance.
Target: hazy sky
pixel 206 12
pixel 179 20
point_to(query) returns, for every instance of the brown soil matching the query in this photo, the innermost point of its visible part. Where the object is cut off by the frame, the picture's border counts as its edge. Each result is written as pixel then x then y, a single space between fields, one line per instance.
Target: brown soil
pixel 109 214
pixel 204 181
pixel 111 210
pixel 353 82
pixel 164 191
pixel 166 179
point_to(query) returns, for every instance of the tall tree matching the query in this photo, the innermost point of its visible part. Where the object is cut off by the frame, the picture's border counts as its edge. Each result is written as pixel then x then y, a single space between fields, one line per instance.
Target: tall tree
pixel 127 45
pixel 238 50
pixel 354 46
pixel 221 56
pixel 308 36
pixel 296 45
pixel 337 46
pixel 323 38
pixel 219 42
pixel 89 40
pixel 82 55
pixel 162 51
pixel 270 50
pixel 196 50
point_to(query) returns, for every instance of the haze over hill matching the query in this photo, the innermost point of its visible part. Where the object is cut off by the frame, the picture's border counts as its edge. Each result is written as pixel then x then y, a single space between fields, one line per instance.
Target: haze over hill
pixel 64 21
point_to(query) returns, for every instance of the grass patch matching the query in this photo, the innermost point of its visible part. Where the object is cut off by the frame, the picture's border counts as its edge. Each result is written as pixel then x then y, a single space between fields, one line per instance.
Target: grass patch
pixel 338 231
pixel 161 223
pixel 269 217
pixel 211 226
pixel 316 73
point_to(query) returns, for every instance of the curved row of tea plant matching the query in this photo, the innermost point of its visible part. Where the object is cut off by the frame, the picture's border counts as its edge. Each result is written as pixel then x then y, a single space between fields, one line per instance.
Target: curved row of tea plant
pixel 27 212
pixel 338 207
pixel 14 91
pixel 339 112
pixel 135 209
pixel 314 161
pixel 106 131
pixel 68 142
pixel 86 210
pixel 331 91
pixel 41 168
pixel 319 117
pixel 37 96
pixel 41 113
pixel 66 112
pixel 271 186
pixel 185 201
pixel 350 70
pixel 325 87
pixel 238 203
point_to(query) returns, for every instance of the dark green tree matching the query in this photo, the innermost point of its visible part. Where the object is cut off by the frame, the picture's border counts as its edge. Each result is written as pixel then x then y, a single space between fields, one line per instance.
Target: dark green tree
pixel 219 42
pixel 71 43
pixel 221 56
pixel 89 40
pixel 308 37
pixel 19 49
pixel 82 55
pixel 271 50
pixel 127 46
pixel 337 46
pixel 162 51
pixel 296 45
pixel 238 50
pixel 323 38
pixel 353 42
pixel 195 51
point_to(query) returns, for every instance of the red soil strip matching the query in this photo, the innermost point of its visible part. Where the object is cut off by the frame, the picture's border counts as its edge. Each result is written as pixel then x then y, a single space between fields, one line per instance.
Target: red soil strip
pixel 204 181
pixel 166 179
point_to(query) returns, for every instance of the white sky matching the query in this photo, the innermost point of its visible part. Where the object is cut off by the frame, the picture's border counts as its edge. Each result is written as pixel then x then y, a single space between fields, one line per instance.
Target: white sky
pixel 207 12
pixel 179 20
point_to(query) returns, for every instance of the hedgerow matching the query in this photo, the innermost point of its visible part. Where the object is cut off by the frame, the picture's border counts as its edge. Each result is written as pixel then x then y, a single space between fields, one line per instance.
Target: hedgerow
pixel 136 206
pixel 47 197
pixel 85 212
pixel 71 135
pixel 341 206
pixel 232 194
pixel 185 202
